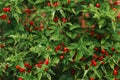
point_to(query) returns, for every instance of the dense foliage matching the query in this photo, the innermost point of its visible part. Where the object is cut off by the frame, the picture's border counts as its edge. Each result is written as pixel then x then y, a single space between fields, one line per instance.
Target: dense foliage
pixel 59 40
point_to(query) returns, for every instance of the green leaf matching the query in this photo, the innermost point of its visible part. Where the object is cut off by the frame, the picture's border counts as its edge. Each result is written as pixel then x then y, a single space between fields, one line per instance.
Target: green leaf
pixel 39 76
pixel 101 22
pixel 72 52
pixel 111 63
pixel 73 46
pixel 114 25
pixel 85 73
pixel 51 72
pixel 18 10
pixel 62 13
pixel 32 16
pixel 49 76
pixel 79 55
pixel 55 60
pixel 16 16
pixel 97 15
pixel 52 14
pixel 39 1
pixel 57 36
pixel 69 78
pixel 63 77
pixel 74 26
pixel 97 73
pixel 1 3
pixel 21 64
pixel 71 35
pixel 20 27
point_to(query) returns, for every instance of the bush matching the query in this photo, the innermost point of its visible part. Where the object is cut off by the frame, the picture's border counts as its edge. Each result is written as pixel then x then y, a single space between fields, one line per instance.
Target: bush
pixel 59 40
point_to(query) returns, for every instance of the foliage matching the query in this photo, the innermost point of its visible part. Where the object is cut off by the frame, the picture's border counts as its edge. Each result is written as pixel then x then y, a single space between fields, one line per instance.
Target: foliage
pixel 59 40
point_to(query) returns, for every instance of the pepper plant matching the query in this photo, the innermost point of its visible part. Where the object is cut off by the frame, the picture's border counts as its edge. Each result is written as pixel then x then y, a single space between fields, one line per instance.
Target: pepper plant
pixel 59 40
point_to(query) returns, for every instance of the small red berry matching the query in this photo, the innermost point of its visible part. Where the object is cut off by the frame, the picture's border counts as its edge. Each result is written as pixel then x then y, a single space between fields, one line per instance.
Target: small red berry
pixel 55 19
pixel 61 57
pixel 46 61
pixel 8 9
pixel 41 28
pixel 68 2
pixel 115 3
pixel 22 70
pixel 27 11
pixel 20 78
pixel 65 50
pixel 97 5
pixel 4 9
pixel 3 17
pixel 96 49
pixel 106 53
pixel 95 56
pixel 113 49
pixel 40 62
pixel 2 45
pixel 27 65
pixel 38 65
pixel 94 62
pixel 118 16
pixel 102 62
pixel 64 20
pixel 55 4
pixel 9 21
pixel 57 48
pixel 116 79
pixel 91 78
pixel 82 59
pixel 101 58
pixel 48 3
pixel 17 67
pixel 115 72
pixel 31 23
pixel 103 51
